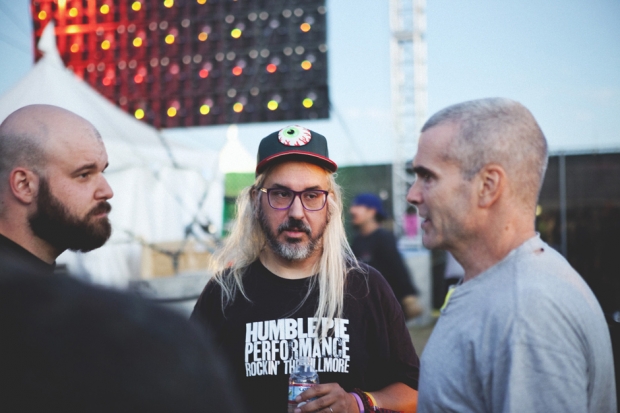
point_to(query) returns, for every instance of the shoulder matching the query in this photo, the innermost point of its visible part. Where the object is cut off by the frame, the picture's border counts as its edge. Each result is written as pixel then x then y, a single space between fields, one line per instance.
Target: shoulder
pixel 368 279
pixel 546 279
pixel 550 304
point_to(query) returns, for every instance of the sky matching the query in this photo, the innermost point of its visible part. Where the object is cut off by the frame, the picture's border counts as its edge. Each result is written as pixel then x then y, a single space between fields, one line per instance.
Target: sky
pixel 560 58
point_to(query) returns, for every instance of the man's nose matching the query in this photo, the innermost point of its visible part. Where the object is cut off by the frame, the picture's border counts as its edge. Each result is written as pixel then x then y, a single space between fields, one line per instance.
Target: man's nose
pixel 297 209
pixel 104 191
pixel 414 195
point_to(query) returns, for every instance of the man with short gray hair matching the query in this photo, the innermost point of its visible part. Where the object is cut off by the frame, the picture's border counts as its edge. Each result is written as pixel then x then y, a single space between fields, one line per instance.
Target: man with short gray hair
pixel 523 332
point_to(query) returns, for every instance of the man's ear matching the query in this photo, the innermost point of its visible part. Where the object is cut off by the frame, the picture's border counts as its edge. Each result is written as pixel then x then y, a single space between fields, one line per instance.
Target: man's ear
pixel 24 185
pixel 492 184
pixel 254 200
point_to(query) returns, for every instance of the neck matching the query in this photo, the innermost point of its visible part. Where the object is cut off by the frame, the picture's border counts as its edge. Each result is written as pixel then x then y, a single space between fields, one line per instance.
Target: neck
pixel 291 270
pixel 28 241
pixel 368 227
pixel 482 251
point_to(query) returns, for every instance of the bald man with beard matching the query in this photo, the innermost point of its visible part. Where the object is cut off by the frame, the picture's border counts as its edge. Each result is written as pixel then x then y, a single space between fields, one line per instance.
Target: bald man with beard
pixel 53 195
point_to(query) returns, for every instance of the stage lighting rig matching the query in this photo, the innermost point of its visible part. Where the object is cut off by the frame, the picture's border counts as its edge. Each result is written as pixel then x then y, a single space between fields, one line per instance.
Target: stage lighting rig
pixel 197 62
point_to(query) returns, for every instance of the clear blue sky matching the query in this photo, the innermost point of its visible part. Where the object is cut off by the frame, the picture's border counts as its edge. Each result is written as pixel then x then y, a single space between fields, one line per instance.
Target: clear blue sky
pixel 559 58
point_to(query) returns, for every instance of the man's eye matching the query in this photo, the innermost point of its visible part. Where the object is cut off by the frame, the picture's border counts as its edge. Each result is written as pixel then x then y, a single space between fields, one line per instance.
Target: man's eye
pixel 311 195
pixel 423 176
pixel 281 194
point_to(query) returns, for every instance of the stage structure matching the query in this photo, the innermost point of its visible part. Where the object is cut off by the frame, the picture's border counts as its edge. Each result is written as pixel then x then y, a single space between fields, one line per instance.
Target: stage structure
pixel 409 101
pixel 197 62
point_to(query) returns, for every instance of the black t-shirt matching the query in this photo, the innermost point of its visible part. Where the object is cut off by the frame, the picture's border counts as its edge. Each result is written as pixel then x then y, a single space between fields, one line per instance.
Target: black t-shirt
pixel 16 259
pixel 379 250
pixel 369 348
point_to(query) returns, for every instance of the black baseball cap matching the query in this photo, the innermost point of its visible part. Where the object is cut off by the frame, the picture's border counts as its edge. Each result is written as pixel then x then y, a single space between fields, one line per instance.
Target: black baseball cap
pixel 291 143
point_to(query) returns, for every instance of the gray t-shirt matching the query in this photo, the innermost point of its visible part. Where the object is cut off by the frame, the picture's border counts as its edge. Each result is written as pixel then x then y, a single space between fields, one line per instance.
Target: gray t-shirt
pixel 526 335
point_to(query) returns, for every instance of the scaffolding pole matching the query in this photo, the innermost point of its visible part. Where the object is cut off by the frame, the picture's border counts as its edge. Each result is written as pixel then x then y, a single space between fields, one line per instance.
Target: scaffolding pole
pixel 409 81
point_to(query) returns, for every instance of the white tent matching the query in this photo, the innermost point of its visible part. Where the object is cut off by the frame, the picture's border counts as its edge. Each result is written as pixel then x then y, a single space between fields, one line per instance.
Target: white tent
pixel 233 156
pixel 161 188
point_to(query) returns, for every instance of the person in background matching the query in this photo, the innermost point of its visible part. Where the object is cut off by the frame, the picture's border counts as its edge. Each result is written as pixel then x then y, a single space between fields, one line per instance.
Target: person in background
pixel 376 247
pixel 53 195
pixel 287 285
pixel 523 332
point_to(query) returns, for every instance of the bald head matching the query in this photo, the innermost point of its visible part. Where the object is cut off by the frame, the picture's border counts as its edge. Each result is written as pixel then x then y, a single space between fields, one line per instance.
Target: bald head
pixel 31 133
pixel 500 131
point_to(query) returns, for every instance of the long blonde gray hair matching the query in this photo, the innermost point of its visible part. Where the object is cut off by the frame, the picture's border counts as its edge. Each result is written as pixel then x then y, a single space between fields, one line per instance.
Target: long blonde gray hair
pixel 247 240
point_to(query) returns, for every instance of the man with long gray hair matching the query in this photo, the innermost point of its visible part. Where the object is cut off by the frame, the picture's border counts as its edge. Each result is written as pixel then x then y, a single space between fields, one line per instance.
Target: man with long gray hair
pixel 523 332
pixel 287 286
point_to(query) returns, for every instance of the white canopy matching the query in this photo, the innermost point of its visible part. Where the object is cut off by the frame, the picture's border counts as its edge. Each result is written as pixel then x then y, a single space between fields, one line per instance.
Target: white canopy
pixel 160 188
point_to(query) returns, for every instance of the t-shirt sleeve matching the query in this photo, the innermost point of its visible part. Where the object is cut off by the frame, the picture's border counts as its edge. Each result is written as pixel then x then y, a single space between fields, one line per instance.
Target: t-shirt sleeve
pixel 207 312
pixel 401 363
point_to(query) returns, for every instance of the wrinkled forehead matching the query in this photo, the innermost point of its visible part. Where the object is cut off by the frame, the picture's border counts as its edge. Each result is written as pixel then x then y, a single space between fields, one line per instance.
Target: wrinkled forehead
pixel 298 176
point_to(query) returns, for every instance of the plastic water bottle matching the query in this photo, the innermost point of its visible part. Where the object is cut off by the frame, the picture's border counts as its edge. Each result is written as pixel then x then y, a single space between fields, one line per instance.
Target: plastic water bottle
pixel 302 378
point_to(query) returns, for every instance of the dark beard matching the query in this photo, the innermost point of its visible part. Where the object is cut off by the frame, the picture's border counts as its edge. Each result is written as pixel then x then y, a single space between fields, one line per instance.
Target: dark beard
pixel 291 250
pixel 53 223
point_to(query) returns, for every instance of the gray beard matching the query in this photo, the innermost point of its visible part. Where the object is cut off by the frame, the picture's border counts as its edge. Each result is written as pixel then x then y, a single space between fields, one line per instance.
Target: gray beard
pixel 292 249
pixel 292 252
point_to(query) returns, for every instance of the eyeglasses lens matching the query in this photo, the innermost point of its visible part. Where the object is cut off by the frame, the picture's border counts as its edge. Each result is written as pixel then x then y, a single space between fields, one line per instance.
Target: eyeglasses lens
pixel 283 198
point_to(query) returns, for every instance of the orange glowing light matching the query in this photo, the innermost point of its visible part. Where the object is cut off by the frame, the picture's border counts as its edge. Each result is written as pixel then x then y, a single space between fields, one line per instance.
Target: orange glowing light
pixel 169 3
pixel 106 81
pixel 204 73
pixel 237 71
pixel 201 1
pixel 271 68
pixel 137 42
pixel 138 78
pixel 238 107
pixel 169 39
pixel 305 27
pixel 306 65
pixel 42 15
pixel 105 45
pixel 75 48
pixel 203 36
pixel 73 12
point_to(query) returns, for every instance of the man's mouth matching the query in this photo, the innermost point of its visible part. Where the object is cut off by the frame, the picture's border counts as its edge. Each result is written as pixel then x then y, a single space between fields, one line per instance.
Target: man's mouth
pixel 294 232
pixel 101 210
pixel 294 229
pixel 425 221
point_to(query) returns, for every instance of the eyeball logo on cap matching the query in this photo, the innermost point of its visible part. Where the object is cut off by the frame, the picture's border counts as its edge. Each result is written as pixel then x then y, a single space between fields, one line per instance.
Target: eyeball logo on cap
pixel 294 136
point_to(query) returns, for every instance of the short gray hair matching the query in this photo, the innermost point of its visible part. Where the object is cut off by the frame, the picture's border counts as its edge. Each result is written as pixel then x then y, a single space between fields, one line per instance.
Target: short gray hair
pixel 501 131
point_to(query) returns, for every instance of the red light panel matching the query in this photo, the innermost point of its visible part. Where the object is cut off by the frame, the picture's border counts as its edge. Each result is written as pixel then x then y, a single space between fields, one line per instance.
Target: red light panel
pixel 162 62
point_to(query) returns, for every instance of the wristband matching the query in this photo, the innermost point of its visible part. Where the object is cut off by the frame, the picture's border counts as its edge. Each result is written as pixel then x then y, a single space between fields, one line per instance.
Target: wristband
pixel 372 399
pixel 360 405
pixel 365 400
